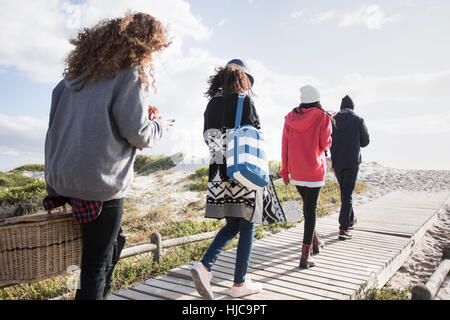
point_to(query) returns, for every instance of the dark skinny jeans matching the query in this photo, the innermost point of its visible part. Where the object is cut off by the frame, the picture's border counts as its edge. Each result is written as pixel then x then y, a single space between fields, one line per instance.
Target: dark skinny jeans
pixel 347 181
pixel 310 197
pixel 102 244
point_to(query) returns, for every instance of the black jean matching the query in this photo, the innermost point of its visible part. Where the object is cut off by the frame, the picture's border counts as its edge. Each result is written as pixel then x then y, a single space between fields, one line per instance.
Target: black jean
pixel 102 243
pixel 310 197
pixel 347 181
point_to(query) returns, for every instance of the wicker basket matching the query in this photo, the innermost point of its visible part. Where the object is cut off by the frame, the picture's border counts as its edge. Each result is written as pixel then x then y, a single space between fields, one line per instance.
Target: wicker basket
pixel 38 246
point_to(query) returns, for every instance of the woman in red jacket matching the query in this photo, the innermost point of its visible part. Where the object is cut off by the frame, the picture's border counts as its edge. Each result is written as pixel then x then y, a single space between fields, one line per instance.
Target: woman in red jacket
pixel 306 135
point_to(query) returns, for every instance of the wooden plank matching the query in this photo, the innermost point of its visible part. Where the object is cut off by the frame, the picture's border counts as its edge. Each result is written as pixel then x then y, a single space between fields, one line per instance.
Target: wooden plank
pixel 188 287
pixel 134 295
pixel 298 274
pixel 374 245
pixel 348 259
pixel 162 293
pixel 224 280
pixel 311 272
pixel 325 265
pixel 348 248
pixel 354 253
pixel 344 275
pixel 351 257
pixel 284 280
pixel 115 297
pixel 176 288
pixel 408 199
pixel 332 234
pixel 354 266
pixel 362 235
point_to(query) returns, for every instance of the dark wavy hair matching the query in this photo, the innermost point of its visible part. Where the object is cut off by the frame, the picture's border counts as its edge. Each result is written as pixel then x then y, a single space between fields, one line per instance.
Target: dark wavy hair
pixel 227 80
pixel 116 44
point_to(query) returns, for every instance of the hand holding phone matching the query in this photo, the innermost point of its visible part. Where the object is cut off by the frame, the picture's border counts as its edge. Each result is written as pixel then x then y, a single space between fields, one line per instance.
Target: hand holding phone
pixel 153 112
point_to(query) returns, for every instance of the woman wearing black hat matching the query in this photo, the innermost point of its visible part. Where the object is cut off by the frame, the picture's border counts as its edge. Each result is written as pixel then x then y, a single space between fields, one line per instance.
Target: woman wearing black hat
pixel 226 198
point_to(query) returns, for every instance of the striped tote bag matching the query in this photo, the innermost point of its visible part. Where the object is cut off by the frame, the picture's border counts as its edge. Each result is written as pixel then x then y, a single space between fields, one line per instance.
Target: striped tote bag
pixel 246 153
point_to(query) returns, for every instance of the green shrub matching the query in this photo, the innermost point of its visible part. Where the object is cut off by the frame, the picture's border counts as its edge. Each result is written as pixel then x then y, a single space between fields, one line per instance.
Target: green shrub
pixel 30 167
pixel 199 185
pixel 200 173
pixel 274 169
pixel 190 227
pixel 387 293
pixel 25 199
pixel 148 164
pixel 14 179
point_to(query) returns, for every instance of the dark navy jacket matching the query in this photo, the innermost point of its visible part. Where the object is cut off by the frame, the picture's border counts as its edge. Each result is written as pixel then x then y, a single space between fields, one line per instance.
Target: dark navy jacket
pixel 349 136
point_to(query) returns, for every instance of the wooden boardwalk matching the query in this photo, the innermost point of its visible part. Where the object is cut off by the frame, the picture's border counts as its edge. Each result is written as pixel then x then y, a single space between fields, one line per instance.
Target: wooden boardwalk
pixel 382 240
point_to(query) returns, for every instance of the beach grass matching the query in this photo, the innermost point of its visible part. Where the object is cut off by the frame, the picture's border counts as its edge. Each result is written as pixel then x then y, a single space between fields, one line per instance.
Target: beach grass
pixel 387 293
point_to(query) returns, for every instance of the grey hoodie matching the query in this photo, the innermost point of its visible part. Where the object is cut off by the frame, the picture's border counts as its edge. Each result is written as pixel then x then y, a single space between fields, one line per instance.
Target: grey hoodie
pixel 93 133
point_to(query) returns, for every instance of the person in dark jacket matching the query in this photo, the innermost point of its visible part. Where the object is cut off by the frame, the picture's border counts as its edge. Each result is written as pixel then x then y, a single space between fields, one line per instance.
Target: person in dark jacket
pixel 349 136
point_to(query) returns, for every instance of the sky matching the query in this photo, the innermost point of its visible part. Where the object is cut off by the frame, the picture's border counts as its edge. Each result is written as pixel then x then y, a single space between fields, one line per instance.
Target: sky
pixel 391 57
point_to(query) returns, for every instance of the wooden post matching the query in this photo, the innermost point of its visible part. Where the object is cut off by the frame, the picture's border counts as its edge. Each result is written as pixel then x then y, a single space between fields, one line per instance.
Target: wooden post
pixel 421 292
pixel 446 253
pixel 155 238
pixel 431 288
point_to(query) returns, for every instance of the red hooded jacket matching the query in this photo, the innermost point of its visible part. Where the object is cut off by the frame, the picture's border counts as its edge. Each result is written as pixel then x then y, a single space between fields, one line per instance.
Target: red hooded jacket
pixel 306 136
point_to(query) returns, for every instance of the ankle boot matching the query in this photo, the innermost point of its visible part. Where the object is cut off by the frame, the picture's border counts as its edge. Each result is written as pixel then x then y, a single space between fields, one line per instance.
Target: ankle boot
pixel 317 244
pixel 306 261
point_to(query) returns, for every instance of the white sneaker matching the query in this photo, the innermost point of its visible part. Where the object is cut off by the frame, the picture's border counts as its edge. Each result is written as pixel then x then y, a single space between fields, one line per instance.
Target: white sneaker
pixel 248 288
pixel 202 279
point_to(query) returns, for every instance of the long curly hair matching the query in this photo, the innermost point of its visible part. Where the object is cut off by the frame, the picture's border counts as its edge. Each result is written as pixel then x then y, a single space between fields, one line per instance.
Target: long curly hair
pixel 115 44
pixel 227 80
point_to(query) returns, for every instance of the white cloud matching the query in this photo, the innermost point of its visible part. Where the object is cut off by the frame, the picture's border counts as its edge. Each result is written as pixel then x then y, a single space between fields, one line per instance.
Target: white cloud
pixel 427 124
pixel 5 152
pixel 38 31
pixel 221 22
pixel 417 88
pixel 322 17
pixel 297 14
pixel 409 3
pixel 372 16
pixel 22 135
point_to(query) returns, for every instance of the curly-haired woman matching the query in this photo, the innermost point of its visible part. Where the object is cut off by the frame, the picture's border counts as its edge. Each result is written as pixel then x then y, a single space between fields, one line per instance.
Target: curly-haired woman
pixel 306 136
pixel 98 119
pixel 226 198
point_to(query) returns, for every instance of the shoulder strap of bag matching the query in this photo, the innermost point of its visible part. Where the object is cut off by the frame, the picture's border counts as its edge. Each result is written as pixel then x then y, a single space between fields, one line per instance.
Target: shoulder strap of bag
pixel 239 108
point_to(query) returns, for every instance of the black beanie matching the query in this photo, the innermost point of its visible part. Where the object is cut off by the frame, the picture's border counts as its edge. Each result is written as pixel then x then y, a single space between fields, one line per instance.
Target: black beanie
pixel 347 102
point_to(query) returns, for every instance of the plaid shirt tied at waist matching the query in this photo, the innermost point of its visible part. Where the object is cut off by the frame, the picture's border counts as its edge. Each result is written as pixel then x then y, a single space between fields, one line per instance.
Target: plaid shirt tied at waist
pixel 84 211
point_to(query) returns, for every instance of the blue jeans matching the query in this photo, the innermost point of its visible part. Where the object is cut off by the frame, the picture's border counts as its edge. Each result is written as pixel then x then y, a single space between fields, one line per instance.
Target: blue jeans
pixel 347 181
pixel 234 226
pixel 98 256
